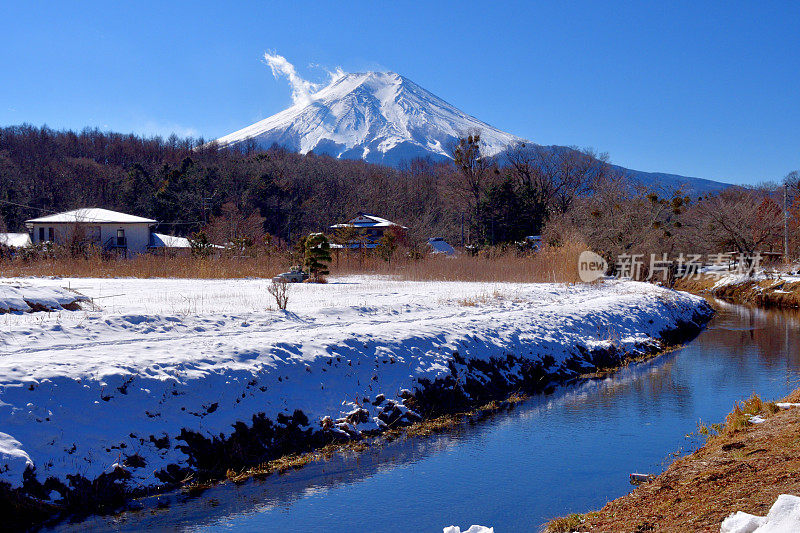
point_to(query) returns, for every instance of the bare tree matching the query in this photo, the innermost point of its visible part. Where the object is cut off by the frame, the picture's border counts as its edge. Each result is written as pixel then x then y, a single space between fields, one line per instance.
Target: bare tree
pixel 279 289
pixel 745 219
pixel 621 218
pixel 237 229
pixel 553 177
pixel 474 169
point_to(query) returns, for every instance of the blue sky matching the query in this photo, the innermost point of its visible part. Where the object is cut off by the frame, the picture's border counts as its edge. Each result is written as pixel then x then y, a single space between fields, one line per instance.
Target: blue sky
pixel 701 89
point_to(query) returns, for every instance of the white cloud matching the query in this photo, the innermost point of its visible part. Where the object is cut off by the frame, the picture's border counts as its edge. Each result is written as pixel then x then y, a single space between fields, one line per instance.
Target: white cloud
pixel 333 75
pixel 301 89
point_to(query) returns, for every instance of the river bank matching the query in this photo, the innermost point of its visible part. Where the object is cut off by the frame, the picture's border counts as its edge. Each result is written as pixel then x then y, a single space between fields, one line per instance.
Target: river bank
pixel 746 463
pixel 166 377
pixel 762 290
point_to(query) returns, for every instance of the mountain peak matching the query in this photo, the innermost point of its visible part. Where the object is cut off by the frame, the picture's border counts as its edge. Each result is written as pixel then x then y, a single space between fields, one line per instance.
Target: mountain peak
pixel 380 117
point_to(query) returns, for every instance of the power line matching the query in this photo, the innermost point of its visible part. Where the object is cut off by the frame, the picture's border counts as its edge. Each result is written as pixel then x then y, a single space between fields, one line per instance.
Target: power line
pixel 27 206
pixel 56 212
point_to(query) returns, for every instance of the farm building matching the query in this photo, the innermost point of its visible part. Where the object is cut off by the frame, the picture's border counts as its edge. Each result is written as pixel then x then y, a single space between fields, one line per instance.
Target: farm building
pixel 364 230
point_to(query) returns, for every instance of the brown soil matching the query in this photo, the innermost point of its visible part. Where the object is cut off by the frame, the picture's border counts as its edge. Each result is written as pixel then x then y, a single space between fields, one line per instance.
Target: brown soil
pixel 764 293
pixel 743 468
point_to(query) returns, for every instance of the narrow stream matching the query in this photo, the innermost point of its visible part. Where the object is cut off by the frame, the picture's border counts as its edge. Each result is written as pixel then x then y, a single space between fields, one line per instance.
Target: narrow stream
pixel 567 452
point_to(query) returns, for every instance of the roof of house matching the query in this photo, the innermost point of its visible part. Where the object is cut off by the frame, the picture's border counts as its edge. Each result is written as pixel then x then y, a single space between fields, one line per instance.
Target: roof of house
pixel 91 215
pixel 169 241
pixel 366 220
pixel 440 246
pixel 15 240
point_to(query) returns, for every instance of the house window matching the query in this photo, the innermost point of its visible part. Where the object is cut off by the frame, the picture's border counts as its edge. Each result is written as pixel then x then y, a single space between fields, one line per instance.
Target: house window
pixel 120 237
pixel 41 234
pixel 93 234
pixel 51 235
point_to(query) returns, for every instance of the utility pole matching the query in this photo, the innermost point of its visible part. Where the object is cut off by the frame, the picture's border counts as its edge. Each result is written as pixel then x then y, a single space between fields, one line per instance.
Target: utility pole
pixel 792 180
pixel 785 225
pixel 462 229
pixel 204 207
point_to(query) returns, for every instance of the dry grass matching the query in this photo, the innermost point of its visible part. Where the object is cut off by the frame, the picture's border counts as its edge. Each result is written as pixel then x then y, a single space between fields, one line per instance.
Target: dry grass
pixel 739 417
pixel 149 266
pixel 548 265
pixel 566 524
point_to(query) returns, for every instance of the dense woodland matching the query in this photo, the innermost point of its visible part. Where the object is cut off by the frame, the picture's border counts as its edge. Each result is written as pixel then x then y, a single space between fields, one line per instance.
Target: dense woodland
pixel 276 196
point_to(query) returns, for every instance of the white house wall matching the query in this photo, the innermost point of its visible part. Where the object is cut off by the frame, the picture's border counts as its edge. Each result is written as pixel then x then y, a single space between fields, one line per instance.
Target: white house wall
pixel 137 235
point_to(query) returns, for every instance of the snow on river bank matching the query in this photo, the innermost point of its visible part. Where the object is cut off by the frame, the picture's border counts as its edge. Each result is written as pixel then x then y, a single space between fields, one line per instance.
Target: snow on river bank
pixel 83 392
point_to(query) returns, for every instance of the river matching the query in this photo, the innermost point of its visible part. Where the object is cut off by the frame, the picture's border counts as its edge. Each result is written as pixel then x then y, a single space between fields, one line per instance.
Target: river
pixel 570 451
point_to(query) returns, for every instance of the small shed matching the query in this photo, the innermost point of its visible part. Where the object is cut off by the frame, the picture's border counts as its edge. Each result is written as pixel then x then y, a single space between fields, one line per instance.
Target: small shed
pixel 440 246
pixel 159 240
pixel 169 244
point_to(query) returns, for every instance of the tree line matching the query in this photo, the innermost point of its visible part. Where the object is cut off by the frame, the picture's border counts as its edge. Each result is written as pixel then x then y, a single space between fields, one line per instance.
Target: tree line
pixel 277 196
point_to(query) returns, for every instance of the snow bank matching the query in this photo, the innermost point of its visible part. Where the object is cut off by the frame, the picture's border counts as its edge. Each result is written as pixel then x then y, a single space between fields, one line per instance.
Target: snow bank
pixel 24 297
pixel 783 517
pixel 472 529
pixel 15 240
pixel 87 393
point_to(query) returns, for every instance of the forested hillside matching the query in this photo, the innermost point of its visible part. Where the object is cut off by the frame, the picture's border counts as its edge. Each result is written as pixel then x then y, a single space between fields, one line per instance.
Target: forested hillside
pixel 569 194
pixel 184 183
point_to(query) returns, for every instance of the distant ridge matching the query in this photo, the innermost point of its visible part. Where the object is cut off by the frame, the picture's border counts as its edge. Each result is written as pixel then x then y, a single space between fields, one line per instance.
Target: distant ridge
pixel 385 118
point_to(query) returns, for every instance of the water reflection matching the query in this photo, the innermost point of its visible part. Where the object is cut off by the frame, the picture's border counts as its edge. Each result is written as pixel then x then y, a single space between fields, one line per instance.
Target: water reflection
pixel 566 452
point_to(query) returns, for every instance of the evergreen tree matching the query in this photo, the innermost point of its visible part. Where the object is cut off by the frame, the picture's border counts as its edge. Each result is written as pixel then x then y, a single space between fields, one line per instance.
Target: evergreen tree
pixel 317 255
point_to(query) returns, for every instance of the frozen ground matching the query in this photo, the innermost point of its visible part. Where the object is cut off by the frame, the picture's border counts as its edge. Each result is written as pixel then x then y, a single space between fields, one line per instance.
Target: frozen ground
pixel 80 391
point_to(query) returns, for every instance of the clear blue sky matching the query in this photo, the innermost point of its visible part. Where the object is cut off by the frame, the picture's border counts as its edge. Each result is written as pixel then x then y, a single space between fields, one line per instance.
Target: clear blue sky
pixel 701 89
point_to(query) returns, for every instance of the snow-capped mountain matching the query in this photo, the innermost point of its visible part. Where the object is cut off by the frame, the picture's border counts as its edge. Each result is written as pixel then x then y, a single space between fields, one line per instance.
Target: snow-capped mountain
pixel 380 117
pixel 383 117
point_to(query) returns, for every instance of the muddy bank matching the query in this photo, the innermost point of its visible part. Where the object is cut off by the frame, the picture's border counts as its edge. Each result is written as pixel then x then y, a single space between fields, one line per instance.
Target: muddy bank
pixel 768 293
pixel 260 442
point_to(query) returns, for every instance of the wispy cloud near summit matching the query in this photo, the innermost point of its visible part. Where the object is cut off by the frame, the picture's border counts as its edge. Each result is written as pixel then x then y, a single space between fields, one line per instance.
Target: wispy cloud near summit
pixel 302 89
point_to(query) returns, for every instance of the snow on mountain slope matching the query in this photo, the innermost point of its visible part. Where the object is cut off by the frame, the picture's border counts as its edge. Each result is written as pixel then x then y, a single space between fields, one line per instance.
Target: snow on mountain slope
pixel 380 117
pixel 385 118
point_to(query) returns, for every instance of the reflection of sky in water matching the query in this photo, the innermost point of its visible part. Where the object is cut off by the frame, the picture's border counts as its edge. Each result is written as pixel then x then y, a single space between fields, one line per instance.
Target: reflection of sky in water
pixel 567 452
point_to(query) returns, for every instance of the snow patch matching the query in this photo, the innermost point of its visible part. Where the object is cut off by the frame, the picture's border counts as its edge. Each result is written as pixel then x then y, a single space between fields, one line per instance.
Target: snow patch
pixel 23 297
pixel 783 517
pixel 472 529
pixel 13 459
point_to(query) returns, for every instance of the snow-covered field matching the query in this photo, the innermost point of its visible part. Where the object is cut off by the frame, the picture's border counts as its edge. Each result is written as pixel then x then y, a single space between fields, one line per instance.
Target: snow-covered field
pixel 82 390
